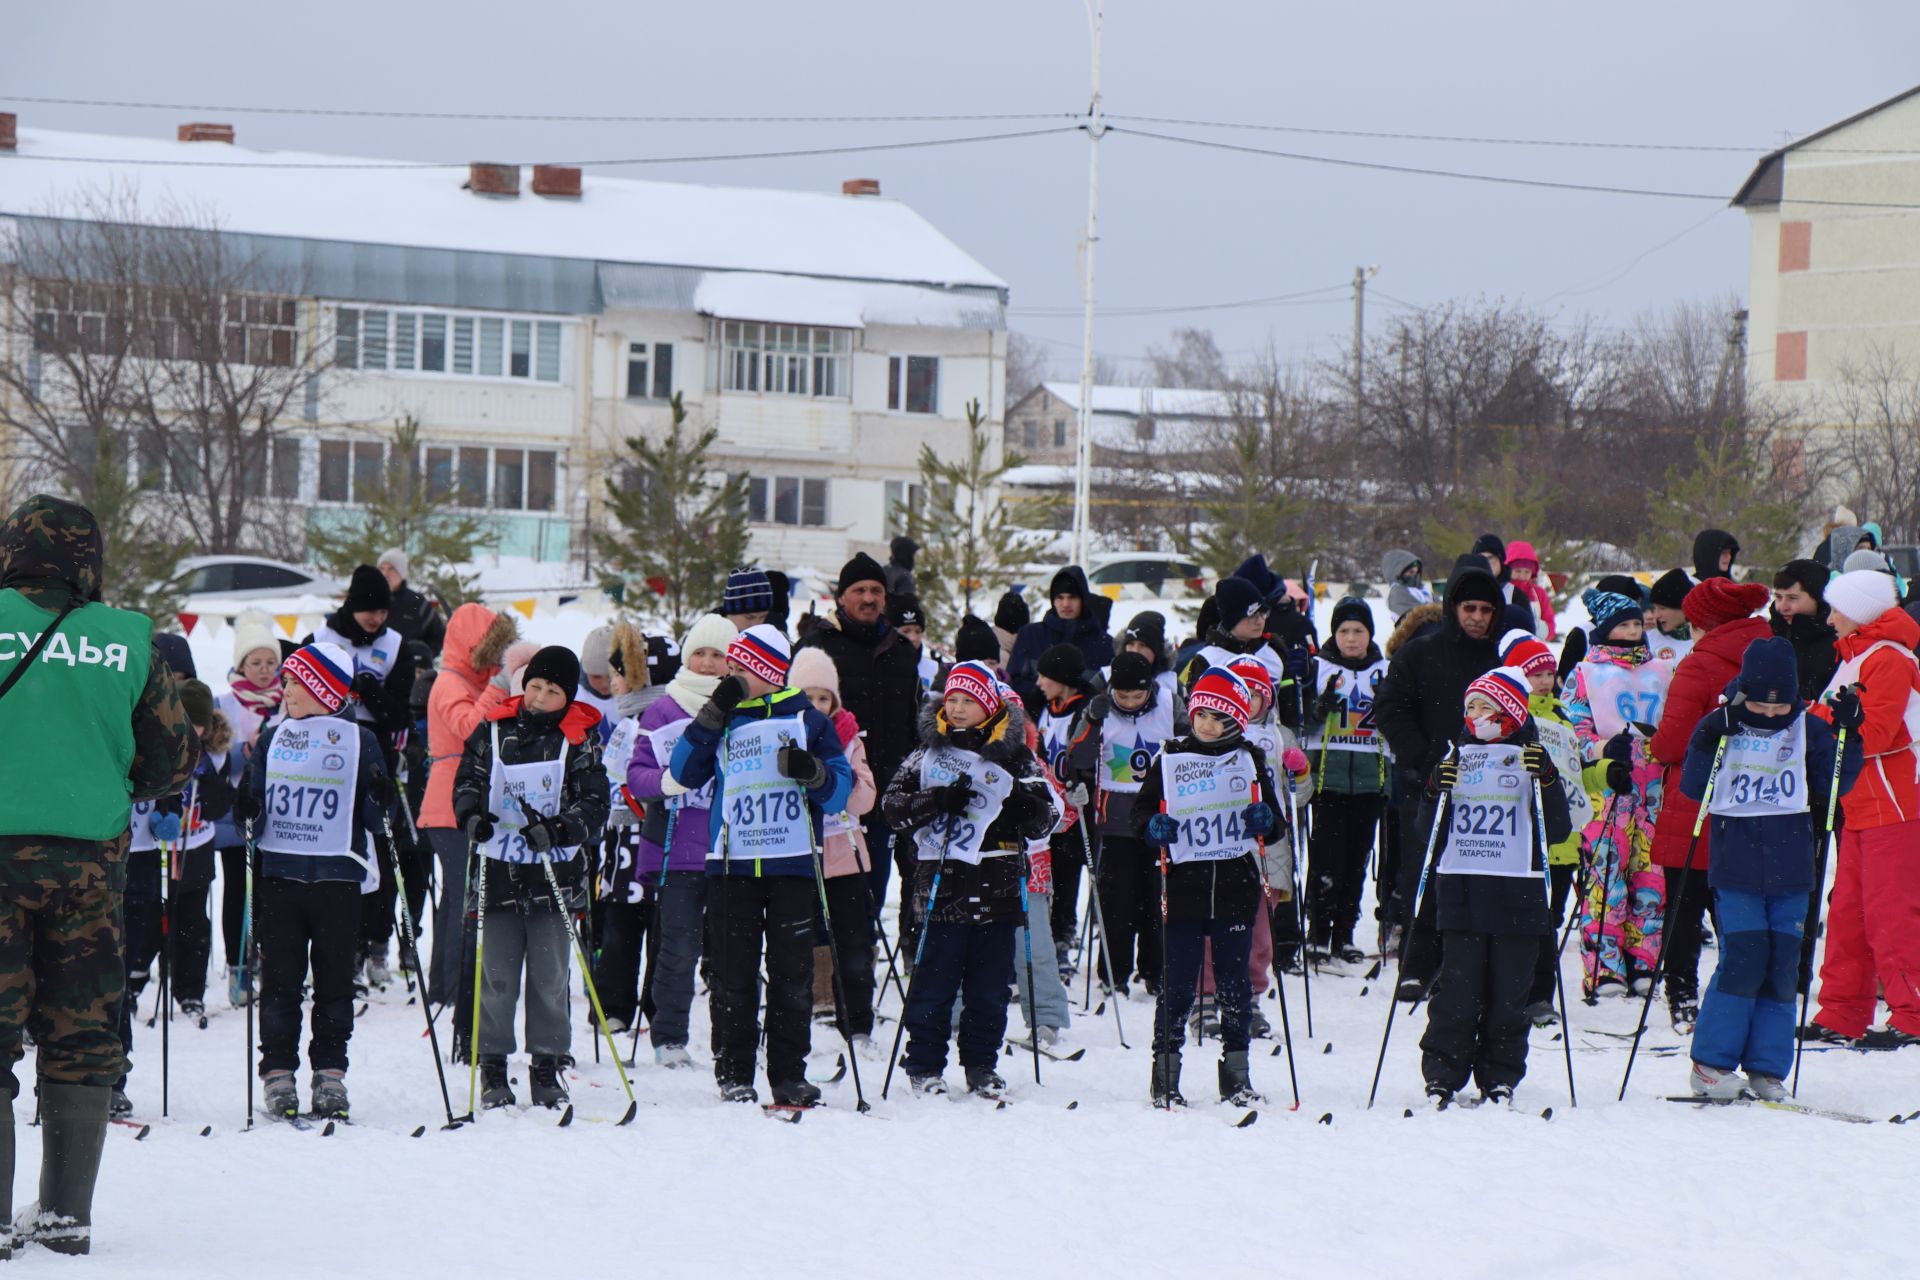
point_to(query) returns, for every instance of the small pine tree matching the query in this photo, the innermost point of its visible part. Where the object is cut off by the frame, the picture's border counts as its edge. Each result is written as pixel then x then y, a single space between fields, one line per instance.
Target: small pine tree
pixel 1506 497
pixel 1736 483
pixel 141 559
pixel 683 525
pixel 1245 507
pixel 968 540
pixel 403 511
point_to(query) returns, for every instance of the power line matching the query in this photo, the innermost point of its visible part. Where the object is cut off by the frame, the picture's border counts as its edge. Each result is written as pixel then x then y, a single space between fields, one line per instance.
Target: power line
pixel 1306 297
pixel 243 166
pixel 1473 139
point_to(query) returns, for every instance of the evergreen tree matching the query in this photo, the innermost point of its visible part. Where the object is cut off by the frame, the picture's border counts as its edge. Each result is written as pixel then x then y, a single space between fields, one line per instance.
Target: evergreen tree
pixel 1244 505
pixel 141 559
pixel 1507 497
pixel 969 541
pixel 405 511
pixel 1738 482
pixel 683 524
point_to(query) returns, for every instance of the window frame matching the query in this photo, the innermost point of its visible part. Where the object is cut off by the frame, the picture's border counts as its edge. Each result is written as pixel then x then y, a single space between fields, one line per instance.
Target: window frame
pixel 657 385
pixel 900 386
pixel 808 498
pixel 788 360
pixel 463 337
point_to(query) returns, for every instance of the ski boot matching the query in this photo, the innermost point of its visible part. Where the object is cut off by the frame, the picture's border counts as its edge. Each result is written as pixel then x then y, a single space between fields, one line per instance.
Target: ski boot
pixel 1439 1097
pixel 120 1106
pixel 1166 1081
pixel 549 1082
pixel 379 976
pixel 1766 1088
pixel 1683 1009
pixel 73 1128
pixel 795 1093
pixel 1258 1028
pixel 738 1091
pixel 928 1086
pixel 672 1056
pixel 196 1011
pixel 1819 1033
pixel 1886 1038
pixel 329 1094
pixel 1344 949
pixel 1499 1095
pixel 495 1089
pixel 1541 1013
pixel 1711 1082
pixel 1236 1081
pixel 1411 991
pixel 1319 944
pixel 985 1082
pixel 279 1095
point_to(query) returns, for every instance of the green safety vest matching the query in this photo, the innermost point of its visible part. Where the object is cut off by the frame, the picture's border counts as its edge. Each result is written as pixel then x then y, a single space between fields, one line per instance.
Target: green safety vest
pixel 66 726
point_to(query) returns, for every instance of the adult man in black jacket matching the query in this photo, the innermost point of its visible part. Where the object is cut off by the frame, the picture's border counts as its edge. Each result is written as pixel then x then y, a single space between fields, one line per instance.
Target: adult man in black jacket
pixel 1079 617
pixel 1419 709
pixel 879 684
pixel 412 614
pixel 1799 613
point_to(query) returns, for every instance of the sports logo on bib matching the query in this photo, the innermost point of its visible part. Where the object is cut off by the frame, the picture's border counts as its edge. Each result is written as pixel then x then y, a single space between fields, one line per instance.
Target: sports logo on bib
pixel 1205 796
pixel 1490 819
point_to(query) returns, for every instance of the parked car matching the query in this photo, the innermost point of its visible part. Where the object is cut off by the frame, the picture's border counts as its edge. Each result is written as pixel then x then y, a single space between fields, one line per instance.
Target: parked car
pixel 1155 575
pixel 237 576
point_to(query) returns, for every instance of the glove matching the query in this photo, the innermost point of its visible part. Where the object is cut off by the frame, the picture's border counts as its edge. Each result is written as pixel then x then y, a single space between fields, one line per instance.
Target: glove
pixel 165 827
pixel 1716 724
pixel 501 681
pixel 1257 819
pixel 366 687
pixel 1619 747
pixel 1446 776
pixel 726 696
pixel 951 798
pixel 1294 760
pixel 1848 714
pixel 545 834
pixel 1161 829
pixel 1620 777
pixel 380 791
pixel 1328 704
pixel 1099 708
pixel 801 765
pixel 246 805
pixel 480 827
pixel 1535 760
pixel 1079 794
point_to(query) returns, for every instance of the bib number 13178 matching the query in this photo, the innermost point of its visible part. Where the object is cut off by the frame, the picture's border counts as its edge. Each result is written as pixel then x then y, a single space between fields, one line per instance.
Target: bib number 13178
pixel 764 810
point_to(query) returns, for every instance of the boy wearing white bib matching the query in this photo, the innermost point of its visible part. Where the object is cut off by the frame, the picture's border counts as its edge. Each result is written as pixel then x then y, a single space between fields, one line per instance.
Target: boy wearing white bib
pixel 315 791
pixel 531 790
pixel 1489 882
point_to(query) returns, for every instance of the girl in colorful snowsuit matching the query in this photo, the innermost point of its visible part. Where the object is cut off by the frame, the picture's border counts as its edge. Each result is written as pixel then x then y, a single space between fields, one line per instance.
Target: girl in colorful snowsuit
pixel 1488 880
pixel 1615 695
pixel 531 793
pixel 1351 779
pixel 675 836
pixel 1208 806
pixel 970 797
pixel 1769 799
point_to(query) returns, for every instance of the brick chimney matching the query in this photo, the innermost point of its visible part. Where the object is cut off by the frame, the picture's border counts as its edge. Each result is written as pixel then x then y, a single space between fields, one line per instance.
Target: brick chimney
pixel 484 179
pixel 860 187
pixel 556 180
pixel 200 131
pixel 9 135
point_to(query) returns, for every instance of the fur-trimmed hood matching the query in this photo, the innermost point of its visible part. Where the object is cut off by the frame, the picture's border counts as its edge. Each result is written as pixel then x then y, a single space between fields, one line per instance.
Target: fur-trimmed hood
pixel 477 639
pixel 1411 623
pixel 1010 725
pixel 219 733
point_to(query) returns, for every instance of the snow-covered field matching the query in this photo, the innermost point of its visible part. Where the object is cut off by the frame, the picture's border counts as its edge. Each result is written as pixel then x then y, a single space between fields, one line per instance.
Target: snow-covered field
pixel 953 1187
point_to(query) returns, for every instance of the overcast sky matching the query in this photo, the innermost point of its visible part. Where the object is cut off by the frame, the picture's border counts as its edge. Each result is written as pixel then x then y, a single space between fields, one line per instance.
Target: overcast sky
pixel 1180 225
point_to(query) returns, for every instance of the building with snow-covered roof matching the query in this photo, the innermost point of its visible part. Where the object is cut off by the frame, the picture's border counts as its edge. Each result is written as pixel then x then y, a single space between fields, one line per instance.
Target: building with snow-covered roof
pixel 531 331
pixel 1044 427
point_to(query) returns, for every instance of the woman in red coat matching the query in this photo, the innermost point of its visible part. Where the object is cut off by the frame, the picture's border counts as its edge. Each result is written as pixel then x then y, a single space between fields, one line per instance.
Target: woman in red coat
pixel 1718 610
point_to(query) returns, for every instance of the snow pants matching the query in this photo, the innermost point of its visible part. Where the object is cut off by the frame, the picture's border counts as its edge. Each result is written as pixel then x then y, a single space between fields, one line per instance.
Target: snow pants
pixel 1344 827
pixel 776 911
pixel 192 927
pixel 306 926
pixel 1259 955
pixel 1873 931
pixel 1046 1001
pixel 852 942
pixel 673 955
pixel 1187 943
pixel 1746 1020
pixel 451 934
pixel 1626 903
pixel 62 976
pixel 1129 889
pixel 975 964
pixel 532 941
pixel 1069 860
pixel 1477 1017
pixel 1548 959
pixel 1688 901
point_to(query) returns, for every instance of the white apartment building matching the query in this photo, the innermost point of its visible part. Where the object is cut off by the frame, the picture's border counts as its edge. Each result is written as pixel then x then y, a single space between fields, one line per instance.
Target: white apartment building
pixel 532 326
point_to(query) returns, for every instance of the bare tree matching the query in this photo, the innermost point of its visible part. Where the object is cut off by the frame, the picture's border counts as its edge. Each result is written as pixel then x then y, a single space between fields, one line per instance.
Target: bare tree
pixel 1193 360
pixel 1876 401
pixel 1027 365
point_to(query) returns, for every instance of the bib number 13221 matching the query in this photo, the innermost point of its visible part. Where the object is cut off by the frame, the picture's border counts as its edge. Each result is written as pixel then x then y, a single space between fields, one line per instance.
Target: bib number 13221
pixel 1486 819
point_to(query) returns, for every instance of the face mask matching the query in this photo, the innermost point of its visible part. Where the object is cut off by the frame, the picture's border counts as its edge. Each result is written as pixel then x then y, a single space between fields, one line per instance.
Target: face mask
pixel 1485 729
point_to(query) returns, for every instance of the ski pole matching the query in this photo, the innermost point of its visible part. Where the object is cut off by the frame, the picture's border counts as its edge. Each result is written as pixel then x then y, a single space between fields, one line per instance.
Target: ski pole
pixel 860 1102
pixel 1295 848
pixel 1162 1007
pixel 1100 917
pixel 880 932
pixel 920 946
pixel 248 946
pixel 1583 884
pixel 166 966
pixel 1033 1028
pixel 1546 887
pixel 1666 927
pixel 410 944
pixel 1813 907
pixel 479 961
pixel 1406 932
pixel 1266 905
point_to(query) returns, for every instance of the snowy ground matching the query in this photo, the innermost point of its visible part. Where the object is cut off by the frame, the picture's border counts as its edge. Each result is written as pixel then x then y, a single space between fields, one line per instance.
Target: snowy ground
pixel 931 1187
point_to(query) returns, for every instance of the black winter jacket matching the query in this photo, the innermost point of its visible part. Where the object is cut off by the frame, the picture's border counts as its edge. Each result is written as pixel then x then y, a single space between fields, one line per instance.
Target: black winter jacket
pixel 1228 890
pixel 528 737
pixel 415 618
pixel 1087 633
pixel 879 684
pixel 1813 653
pixel 1421 702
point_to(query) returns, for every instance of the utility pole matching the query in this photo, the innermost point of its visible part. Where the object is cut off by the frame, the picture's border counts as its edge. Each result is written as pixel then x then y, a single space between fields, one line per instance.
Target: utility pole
pixel 1360 277
pixel 1083 461
pixel 1732 361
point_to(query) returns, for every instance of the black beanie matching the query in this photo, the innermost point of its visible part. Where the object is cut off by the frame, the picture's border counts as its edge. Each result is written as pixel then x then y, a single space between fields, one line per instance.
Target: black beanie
pixel 1064 663
pixel 862 568
pixel 1493 544
pixel 975 642
pixel 1149 629
pixel 1130 671
pixel 197 701
pixel 1235 600
pixel 1067 582
pixel 1670 589
pixel 1351 609
pixel 905 611
pixel 1809 575
pixel 368 591
pixel 1622 585
pixel 1012 613
pixel 554 663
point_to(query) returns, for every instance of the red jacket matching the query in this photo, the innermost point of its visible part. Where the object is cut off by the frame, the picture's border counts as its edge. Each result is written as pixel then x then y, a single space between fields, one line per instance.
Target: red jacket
pixel 1698 682
pixel 1887 791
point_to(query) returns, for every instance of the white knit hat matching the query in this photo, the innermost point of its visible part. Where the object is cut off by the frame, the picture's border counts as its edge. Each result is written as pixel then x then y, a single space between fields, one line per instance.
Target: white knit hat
pixel 596 652
pixel 1861 595
pixel 253 630
pixel 395 559
pixel 709 631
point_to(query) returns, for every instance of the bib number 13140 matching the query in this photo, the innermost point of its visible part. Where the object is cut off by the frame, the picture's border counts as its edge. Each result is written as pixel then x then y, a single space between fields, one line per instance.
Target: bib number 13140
pixel 1472 819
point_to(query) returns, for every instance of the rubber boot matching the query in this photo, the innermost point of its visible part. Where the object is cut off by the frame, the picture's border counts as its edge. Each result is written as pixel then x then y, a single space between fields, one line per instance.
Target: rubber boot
pixel 6 1179
pixel 1166 1081
pixel 73 1129
pixel 1236 1080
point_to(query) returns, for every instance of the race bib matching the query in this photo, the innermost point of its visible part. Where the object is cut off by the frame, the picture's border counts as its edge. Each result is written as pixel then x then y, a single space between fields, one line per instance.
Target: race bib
pixel 664 740
pixel 519 793
pixel 766 812
pixel 1129 743
pixel 312 768
pixel 1563 747
pixel 1616 695
pixel 1490 822
pixel 962 836
pixel 1762 774
pixel 1351 727
pixel 1206 796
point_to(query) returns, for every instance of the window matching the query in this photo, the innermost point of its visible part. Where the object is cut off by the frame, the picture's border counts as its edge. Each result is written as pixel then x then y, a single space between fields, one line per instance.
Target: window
pixel 439 474
pixel 1031 434
pixel 369 475
pixel 913 384
pixel 473 478
pixel 541 468
pixel 903 497
pixel 334 464
pixel 1059 433
pixel 785 359
pixel 791 500
pixel 416 342
pixel 650 371
pixel 509 478
pixel 163 324
pixel 266 577
pixel 285 466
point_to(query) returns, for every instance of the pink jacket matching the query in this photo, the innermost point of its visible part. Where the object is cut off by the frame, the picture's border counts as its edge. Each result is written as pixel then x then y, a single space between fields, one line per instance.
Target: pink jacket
pixel 845 853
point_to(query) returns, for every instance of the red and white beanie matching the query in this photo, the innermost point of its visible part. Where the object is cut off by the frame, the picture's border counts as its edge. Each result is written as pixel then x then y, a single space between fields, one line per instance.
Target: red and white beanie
pixel 1523 650
pixel 1506 688
pixel 323 670
pixel 977 681
pixel 764 651
pixel 1219 689
pixel 1254 674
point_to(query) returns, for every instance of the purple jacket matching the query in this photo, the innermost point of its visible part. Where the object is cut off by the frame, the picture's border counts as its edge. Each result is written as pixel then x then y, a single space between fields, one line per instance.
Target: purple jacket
pixel 645 771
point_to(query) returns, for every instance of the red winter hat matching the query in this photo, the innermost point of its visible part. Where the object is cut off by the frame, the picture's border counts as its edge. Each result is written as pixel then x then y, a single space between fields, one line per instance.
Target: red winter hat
pixel 1520 649
pixel 1718 601
pixel 1219 689
pixel 1254 674
pixel 976 680
pixel 1506 688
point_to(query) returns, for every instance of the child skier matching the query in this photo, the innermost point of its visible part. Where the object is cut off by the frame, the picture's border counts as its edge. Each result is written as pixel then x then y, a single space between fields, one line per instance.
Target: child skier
pixel 1208 804
pixel 1277 935
pixel 972 795
pixel 777 770
pixel 1062 722
pixel 315 790
pixel 1668 634
pixel 1615 696
pixel 1490 891
pixel 1351 774
pixel 530 792
pixel 211 803
pixel 251 701
pixel 1523 562
pixel 1770 793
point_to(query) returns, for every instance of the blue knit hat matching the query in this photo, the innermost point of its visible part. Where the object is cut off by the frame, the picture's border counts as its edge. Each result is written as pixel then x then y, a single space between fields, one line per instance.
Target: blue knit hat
pixel 748 591
pixel 1608 609
pixel 1768 672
